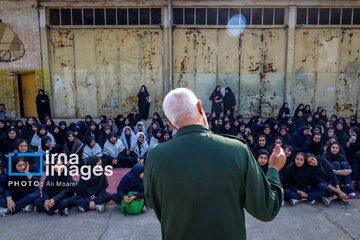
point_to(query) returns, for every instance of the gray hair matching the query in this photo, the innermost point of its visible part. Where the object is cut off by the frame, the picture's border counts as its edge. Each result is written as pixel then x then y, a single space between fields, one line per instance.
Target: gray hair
pixel 180 105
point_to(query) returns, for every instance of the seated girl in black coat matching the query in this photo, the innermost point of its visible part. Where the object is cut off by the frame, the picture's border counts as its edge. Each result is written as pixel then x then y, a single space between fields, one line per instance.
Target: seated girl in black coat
pixel 296 182
pixel 342 168
pixel 131 182
pixel 324 179
pixel 91 192
pixel 56 192
pixel 20 196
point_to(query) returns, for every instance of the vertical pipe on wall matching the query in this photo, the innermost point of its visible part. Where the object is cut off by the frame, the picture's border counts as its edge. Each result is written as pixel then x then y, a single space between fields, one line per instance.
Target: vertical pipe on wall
pixel 290 55
pixel 170 44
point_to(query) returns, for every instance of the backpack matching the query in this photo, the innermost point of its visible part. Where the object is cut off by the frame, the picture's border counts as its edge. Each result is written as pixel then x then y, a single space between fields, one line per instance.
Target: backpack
pixel 135 207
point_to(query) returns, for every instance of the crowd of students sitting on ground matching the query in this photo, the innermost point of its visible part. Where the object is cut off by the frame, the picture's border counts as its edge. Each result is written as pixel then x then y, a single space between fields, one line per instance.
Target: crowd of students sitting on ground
pixel 122 142
pixel 323 156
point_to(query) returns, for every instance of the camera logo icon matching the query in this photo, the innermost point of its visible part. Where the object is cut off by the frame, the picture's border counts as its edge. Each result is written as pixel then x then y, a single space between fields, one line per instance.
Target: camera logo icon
pixel 17 154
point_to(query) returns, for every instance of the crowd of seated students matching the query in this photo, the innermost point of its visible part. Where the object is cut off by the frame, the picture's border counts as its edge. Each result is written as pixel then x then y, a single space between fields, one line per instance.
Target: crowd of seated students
pixel 323 155
pixel 121 142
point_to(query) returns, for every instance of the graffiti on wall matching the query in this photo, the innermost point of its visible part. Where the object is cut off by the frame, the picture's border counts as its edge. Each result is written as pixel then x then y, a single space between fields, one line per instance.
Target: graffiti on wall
pixel 11 47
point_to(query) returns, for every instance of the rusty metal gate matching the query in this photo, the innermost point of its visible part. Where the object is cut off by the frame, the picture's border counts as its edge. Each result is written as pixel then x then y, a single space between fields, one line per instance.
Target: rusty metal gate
pixel 104 68
pixel 327 69
pixel 252 65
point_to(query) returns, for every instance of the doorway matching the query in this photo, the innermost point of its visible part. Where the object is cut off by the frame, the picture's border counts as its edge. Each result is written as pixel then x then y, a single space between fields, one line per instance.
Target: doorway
pixel 27 95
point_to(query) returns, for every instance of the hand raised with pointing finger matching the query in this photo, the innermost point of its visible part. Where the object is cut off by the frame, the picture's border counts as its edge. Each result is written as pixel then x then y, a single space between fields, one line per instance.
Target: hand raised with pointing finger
pixel 277 159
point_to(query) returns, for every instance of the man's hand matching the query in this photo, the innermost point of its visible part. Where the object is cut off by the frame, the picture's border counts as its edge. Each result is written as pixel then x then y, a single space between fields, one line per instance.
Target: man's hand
pixel 277 159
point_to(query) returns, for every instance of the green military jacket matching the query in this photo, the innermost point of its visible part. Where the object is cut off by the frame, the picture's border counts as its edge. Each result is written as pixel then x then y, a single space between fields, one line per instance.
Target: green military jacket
pixel 200 183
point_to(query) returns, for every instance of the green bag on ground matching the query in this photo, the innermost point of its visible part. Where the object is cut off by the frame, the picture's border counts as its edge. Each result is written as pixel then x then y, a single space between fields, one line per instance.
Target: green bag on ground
pixel 135 207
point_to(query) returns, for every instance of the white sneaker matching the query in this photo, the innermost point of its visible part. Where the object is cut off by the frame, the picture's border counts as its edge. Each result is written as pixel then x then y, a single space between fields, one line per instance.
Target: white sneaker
pixel 353 194
pixel 100 208
pixel 282 203
pixel 313 202
pixel 65 212
pixel 326 201
pixel 81 209
pixel 3 211
pixel 293 202
pixel 28 208
pixel 144 209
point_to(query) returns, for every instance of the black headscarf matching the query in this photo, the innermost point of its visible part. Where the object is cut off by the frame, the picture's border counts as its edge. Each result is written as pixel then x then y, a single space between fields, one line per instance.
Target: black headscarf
pixel 43 143
pixel 41 126
pixel 132 181
pixel 9 145
pixel 50 184
pixel 21 189
pixel 298 109
pixel 322 170
pixel 229 100
pixel 216 93
pixel 86 117
pixel 298 176
pixel 120 125
pixel 324 118
pixel 339 157
pixel 95 184
pixel 341 135
pixel 159 120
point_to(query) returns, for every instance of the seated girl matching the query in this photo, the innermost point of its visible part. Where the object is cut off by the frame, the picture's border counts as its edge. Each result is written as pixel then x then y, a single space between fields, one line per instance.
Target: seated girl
pixel 323 178
pixel 56 192
pixel 313 145
pixel 22 146
pixel 342 168
pixel 140 147
pixel 165 136
pixel 91 149
pixel 155 138
pixel 140 127
pixel 104 135
pixel 131 182
pixel 262 158
pixel 20 196
pixel 151 130
pixel 296 182
pixel 112 149
pixel 73 145
pixel 92 193
pixel 127 156
pixel 8 144
pixel 261 144
pixel 46 145
pixel 41 132
pixel 59 138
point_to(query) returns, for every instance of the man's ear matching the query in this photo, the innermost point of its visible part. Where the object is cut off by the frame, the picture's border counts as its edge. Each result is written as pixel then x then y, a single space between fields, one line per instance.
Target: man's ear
pixel 199 106
pixel 171 125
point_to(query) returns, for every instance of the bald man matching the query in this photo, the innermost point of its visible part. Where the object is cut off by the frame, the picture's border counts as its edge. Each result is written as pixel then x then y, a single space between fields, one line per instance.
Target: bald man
pixel 200 183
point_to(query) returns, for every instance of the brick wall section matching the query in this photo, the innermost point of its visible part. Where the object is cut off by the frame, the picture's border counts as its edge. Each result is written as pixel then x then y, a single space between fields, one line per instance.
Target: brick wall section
pixel 22 16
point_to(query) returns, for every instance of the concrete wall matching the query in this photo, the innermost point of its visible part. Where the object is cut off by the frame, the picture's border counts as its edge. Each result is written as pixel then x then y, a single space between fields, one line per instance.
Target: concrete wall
pixel 99 70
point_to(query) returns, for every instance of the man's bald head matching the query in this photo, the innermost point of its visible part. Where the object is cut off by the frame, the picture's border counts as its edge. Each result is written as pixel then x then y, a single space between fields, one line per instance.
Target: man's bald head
pixel 182 107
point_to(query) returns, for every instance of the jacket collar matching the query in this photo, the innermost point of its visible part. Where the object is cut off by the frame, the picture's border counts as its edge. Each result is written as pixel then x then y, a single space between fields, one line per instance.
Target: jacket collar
pixel 192 128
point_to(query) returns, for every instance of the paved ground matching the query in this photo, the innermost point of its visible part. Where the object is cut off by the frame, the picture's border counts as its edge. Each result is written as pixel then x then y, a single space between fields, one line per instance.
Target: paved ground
pixel 300 222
